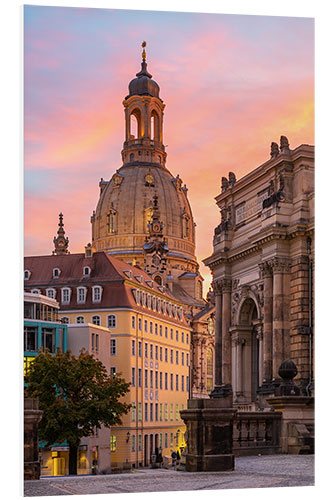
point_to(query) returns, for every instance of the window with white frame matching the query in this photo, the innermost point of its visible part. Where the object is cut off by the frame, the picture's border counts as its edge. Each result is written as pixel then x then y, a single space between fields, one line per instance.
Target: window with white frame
pixel 133 347
pixel 96 320
pixel 65 295
pixel 80 319
pixel 64 320
pixel 96 294
pixel 56 272
pixel 113 347
pixel 133 321
pixel 50 292
pixel 81 294
pixel 86 271
pixel 112 321
pixel 35 290
pixel 27 274
pixel 113 371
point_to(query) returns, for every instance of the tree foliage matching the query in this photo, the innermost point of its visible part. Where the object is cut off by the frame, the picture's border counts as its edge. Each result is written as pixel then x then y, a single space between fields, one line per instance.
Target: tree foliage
pixel 76 396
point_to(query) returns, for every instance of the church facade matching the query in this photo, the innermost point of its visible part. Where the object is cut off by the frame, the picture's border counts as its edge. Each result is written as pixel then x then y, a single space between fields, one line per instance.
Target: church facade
pixel 263 264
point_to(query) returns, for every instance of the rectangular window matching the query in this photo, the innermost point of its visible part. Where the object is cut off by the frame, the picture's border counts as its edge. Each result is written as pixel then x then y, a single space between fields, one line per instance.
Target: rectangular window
pixel 177 385
pixel 171 381
pixel 146 326
pixel 133 347
pixel 187 359
pixel 140 411
pixel 171 355
pixel 146 378
pixel 151 351
pixel 139 377
pixel 112 321
pixel 166 354
pixel 177 357
pixel 92 341
pixel 187 383
pixel 161 412
pixel 113 347
pixel 166 440
pixel 30 338
pixel 151 327
pixel 133 442
pixel 166 411
pixel 151 379
pixel 96 320
pixel 133 377
pixel 151 412
pixel 183 383
pixel 113 371
pixel 133 321
pixel 156 352
pixel 133 412
pixel 156 412
pixel 161 353
pixel 171 413
pixel 161 330
pixel 177 411
pixel 156 329
pixel 171 438
pixel 161 380
pixel 140 324
pixel 113 443
pixel 146 412
pixel 48 339
pixel 166 332
pixel 161 440
pixel 166 381
pixel 97 342
pixel 187 338
pixel 156 380
pixel 183 359
pixel 140 442
pixel 81 295
pixel 96 294
pixel 183 337
pixel 177 336
pixel 171 333
pixel 140 349
pixel 65 295
pixel 146 350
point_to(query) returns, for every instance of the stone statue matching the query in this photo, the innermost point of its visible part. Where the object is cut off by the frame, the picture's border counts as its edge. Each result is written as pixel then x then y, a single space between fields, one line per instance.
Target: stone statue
pixel 274 150
pixel 284 144
pixel 225 184
pixel 232 179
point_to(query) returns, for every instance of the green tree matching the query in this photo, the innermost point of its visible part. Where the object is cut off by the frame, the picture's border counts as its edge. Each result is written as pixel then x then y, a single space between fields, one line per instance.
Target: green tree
pixel 76 396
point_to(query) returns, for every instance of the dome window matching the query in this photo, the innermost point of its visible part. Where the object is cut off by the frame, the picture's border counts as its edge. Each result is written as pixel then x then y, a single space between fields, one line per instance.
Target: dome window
pixel 132 157
pixel 112 221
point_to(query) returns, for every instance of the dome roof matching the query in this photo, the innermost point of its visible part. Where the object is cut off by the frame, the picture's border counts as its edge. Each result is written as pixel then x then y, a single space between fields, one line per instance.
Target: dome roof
pixel 128 196
pixel 143 84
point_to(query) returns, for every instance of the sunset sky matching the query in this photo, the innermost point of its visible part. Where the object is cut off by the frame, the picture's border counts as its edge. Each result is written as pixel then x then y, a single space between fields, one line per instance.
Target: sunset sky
pixel 231 84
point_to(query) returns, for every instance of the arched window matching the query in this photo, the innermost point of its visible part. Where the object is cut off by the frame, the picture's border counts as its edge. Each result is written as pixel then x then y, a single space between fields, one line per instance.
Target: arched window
pixel 64 320
pixel 154 126
pixel 158 279
pixel 80 319
pixel 27 274
pixel 56 272
pixel 111 321
pixel 96 320
pixel 209 369
pixel 112 221
pixel 135 124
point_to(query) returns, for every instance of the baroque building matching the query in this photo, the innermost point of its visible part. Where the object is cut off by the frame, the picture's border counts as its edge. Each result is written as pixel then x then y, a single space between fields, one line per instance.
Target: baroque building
pixel 262 265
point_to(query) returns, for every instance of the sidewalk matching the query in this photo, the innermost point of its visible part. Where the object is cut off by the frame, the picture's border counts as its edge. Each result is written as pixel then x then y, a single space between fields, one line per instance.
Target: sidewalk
pixel 250 472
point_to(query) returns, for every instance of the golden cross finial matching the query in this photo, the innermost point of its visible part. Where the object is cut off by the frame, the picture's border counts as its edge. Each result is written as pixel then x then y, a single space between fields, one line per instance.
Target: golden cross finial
pixel 143 52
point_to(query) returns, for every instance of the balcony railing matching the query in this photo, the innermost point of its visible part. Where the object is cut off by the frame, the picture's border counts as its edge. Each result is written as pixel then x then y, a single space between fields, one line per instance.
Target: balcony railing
pixel 256 433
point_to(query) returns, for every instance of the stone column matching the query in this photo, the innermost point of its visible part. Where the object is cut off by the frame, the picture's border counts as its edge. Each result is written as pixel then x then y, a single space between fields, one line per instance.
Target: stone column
pixel 128 125
pixel 266 272
pixel 238 366
pixel 226 339
pixel 261 357
pixel 280 266
pixel 218 333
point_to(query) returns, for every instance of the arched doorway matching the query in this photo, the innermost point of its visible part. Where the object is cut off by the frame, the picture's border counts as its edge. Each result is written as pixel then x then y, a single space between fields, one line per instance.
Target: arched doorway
pixel 246 352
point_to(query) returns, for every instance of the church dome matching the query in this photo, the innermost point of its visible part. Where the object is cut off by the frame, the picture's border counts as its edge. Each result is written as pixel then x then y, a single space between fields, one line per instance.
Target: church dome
pixel 143 84
pixel 120 223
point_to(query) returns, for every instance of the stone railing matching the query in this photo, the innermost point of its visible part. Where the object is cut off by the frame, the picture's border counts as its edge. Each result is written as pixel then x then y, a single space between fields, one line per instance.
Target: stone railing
pixel 256 433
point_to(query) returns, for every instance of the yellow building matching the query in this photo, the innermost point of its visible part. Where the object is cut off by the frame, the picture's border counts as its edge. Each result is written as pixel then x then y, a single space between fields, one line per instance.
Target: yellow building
pixel 136 328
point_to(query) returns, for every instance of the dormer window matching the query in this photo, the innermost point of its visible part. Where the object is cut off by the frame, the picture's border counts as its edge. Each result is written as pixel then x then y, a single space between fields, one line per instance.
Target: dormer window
pixel 138 278
pixel 96 294
pixel 81 294
pixel 27 274
pixel 35 290
pixel 128 273
pixel 65 295
pixel 86 271
pixel 50 292
pixel 56 272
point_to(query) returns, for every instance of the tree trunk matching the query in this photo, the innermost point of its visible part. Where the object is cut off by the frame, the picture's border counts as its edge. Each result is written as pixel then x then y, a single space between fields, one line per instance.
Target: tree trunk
pixel 73 460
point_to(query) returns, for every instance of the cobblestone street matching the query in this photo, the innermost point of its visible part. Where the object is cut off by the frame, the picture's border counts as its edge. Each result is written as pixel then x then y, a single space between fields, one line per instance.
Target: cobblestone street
pixel 250 472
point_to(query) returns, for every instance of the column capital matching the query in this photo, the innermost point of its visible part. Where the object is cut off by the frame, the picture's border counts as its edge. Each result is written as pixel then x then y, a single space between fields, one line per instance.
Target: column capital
pixel 217 287
pixel 281 265
pixel 265 269
pixel 226 285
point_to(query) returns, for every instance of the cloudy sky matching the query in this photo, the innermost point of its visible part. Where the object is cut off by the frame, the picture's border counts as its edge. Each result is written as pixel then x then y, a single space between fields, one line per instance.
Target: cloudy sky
pixel 231 84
